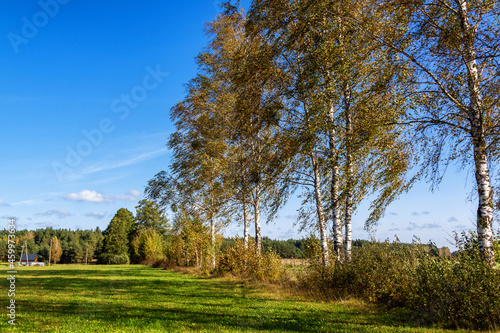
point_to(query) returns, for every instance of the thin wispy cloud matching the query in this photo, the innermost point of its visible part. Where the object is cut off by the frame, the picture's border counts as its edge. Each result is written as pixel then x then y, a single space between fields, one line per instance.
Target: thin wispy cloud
pixel 414 226
pixel 461 227
pixel 132 195
pixel 4 204
pixel 287 235
pixel 59 213
pixel 96 215
pixel 108 180
pixel 131 161
pixel 42 225
pixel 8 217
pixel 421 213
pixel 452 219
pixel 27 202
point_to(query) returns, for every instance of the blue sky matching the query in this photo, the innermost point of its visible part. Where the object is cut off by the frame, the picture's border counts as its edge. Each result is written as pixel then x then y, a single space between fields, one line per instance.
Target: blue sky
pixel 85 91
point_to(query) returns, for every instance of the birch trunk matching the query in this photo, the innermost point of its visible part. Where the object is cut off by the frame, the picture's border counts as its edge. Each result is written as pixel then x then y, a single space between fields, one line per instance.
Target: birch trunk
pixel 212 239
pixel 319 209
pixel 197 258
pixel 256 207
pixel 349 175
pixel 246 224
pixel 485 207
pixel 337 225
pixel 348 226
pixel 485 192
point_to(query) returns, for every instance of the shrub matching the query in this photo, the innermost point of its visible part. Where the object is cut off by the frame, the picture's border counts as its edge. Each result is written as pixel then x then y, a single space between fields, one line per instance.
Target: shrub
pixel 312 247
pixel 463 292
pixel 147 245
pixel 247 262
pixel 119 259
pixel 378 272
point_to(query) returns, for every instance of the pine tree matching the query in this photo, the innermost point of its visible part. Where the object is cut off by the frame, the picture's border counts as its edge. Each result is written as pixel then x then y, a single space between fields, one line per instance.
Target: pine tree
pixel 114 247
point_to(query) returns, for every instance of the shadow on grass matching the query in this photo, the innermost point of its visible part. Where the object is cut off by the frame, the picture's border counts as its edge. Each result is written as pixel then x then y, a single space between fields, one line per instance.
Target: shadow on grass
pixel 140 296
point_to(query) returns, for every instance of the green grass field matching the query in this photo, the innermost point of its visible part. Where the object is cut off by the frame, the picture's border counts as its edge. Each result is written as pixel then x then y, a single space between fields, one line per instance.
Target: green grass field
pixel 143 299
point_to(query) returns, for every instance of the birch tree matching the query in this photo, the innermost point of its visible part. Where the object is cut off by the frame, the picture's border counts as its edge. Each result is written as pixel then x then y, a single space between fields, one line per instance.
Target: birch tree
pixel 256 114
pixel 346 78
pixel 454 48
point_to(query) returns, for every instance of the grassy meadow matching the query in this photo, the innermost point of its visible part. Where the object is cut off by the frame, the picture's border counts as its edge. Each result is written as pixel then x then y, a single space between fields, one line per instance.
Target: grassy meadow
pixel 136 298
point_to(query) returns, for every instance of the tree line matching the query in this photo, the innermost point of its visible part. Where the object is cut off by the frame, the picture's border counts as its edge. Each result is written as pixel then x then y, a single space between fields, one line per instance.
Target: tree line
pixel 127 238
pixel 337 102
pixel 68 246
pixel 116 245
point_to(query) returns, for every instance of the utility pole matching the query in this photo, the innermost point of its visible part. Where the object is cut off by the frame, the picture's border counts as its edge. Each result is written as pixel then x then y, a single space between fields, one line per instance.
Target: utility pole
pixel 86 253
pixel 21 257
pixel 50 251
pixel 26 245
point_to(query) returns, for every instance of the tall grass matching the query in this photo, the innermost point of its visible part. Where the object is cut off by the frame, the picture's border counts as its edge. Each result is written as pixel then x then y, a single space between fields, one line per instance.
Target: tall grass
pixel 463 292
pixel 247 262
pixel 136 298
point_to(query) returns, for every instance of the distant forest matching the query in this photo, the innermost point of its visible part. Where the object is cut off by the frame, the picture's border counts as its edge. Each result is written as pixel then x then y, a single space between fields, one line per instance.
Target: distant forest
pixel 75 244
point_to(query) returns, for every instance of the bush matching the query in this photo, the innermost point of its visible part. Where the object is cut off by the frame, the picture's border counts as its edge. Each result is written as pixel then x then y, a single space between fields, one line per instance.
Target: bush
pixel 463 292
pixel 117 259
pixel 378 272
pixel 147 246
pixel 247 262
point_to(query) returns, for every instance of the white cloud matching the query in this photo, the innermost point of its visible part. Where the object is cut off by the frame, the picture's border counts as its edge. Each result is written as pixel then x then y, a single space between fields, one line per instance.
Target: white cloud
pixel 55 212
pixel 93 196
pixel 87 196
pixel 452 219
pixel 96 215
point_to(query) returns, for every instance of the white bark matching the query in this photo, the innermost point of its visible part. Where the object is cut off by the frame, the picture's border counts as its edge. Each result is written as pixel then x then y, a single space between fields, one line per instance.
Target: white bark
pixel 348 226
pixel 246 225
pixel 485 192
pixel 319 209
pixel 349 175
pixel 256 207
pixel 485 207
pixel 337 225
pixel 212 240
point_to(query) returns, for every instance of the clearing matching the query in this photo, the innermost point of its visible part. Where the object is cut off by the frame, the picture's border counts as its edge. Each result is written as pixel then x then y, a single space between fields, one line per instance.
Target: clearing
pixel 137 298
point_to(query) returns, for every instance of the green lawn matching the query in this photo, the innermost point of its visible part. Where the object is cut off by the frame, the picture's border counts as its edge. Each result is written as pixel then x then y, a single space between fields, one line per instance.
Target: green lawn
pixel 143 299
